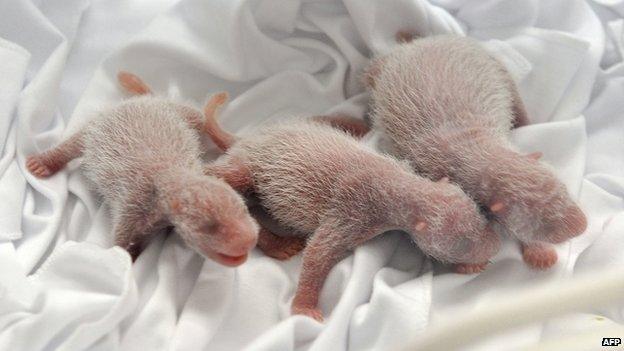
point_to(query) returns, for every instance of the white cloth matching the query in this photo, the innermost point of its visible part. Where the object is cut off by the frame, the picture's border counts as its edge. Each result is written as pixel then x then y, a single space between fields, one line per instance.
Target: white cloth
pixel 63 287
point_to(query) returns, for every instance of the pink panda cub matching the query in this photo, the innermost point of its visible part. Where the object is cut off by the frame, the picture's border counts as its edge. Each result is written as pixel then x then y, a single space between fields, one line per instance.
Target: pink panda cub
pixel 143 156
pixel 324 184
pixel 445 105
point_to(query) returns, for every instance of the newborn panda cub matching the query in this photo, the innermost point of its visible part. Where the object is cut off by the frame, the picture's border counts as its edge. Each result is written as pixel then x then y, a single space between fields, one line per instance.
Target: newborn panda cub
pixel 445 105
pixel 144 158
pixel 323 183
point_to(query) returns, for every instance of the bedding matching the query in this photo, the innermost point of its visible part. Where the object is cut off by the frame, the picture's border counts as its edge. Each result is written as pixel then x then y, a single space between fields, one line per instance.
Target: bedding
pixel 64 287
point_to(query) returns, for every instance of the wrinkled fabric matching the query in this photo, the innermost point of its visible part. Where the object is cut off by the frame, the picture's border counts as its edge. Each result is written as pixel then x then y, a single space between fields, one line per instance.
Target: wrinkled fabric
pixel 63 287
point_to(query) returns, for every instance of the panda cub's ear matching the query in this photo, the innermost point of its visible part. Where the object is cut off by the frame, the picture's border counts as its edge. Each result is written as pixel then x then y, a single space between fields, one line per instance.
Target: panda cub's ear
pixel 497 207
pixel 133 84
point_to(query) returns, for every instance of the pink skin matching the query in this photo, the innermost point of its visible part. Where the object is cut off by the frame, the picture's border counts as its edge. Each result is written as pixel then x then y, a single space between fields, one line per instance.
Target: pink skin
pixel 447 107
pixel 144 159
pixel 323 183
pixel 275 240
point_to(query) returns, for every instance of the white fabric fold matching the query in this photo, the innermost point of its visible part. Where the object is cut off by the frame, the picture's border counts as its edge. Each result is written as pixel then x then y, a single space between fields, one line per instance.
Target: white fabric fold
pixel 13 70
pixel 278 59
pixel 77 296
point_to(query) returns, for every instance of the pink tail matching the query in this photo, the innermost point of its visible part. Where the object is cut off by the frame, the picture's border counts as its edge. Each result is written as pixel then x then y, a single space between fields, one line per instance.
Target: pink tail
pixel 133 84
pixel 220 137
